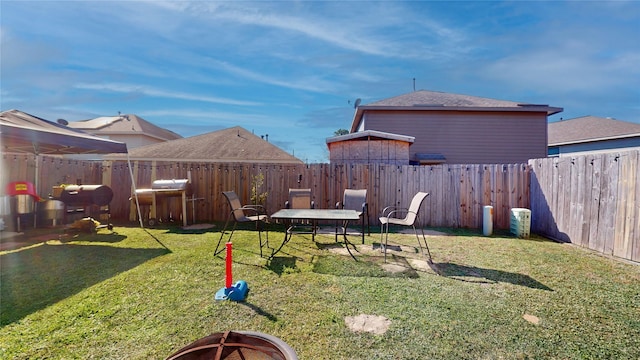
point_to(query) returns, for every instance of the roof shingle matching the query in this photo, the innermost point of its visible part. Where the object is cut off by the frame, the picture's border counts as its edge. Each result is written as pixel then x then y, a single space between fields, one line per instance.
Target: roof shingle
pixel 437 98
pixel 234 144
pixel 589 128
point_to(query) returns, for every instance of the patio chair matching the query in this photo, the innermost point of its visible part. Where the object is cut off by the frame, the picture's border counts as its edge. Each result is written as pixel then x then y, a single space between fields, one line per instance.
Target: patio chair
pixel 244 214
pixel 301 199
pixel 392 215
pixel 356 200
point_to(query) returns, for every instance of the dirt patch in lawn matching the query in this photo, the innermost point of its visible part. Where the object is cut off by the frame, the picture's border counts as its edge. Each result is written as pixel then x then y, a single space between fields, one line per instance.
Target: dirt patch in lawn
pixel 374 324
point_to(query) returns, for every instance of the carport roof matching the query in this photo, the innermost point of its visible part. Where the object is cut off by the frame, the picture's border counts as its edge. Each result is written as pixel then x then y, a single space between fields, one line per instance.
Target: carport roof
pixel 25 133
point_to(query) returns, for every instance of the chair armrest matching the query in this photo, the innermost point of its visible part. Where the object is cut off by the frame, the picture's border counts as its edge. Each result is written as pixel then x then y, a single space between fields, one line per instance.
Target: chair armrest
pixel 393 211
pixel 259 209
pixel 402 212
pixel 387 209
pixel 286 205
pixel 338 205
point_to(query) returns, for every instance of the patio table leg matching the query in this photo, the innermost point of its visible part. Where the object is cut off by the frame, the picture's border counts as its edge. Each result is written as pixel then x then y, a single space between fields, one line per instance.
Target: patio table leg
pixel 287 237
pixel 346 240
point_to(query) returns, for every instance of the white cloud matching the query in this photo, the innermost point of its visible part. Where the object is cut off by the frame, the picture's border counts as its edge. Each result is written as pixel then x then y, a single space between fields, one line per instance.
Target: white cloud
pixel 367 30
pixel 154 92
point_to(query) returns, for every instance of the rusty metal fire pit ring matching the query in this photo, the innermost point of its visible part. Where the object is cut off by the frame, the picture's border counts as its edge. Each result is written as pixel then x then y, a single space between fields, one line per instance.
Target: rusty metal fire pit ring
pixel 232 345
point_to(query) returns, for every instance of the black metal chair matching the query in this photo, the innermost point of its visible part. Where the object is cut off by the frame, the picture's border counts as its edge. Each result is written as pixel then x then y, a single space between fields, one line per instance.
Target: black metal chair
pixel 301 199
pixel 244 214
pixel 356 200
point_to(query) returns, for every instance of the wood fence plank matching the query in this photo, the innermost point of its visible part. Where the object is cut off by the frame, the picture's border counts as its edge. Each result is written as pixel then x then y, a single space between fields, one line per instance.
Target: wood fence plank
pixel 634 225
pixel 563 188
pixel 574 211
pixel 436 174
pixel 607 216
pixel 622 246
pixel 502 210
pixel 455 196
pixel 583 184
pixel 596 167
pixel 475 196
pixel 463 199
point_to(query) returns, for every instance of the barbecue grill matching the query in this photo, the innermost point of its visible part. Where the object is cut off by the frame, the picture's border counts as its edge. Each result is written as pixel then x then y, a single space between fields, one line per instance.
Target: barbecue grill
pixel 160 191
pixel 175 187
pixel 86 195
pixel 87 199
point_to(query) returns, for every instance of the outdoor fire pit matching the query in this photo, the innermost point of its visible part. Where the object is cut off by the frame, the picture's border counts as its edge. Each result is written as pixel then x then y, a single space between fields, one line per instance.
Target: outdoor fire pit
pixel 233 345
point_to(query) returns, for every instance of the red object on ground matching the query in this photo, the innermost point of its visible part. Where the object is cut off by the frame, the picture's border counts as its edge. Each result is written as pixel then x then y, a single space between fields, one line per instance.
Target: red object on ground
pixel 22 188
pixel 229 275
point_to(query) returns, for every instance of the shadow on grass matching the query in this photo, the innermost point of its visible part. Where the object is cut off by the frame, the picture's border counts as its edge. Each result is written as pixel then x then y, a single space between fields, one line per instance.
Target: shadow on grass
pixel 37 277
pixel 258 310
pixel 111 238
pixel 17 243
pixel 480 275
pixel 178 229
pixel 157 240
pixel 282 264
pixel 366 266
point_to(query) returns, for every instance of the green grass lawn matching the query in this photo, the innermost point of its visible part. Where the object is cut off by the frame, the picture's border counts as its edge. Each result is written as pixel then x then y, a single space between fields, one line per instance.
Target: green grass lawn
pixel 143 294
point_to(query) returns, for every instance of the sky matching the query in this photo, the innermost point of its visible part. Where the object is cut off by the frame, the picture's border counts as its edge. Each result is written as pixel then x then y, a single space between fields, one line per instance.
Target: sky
pixel 292 70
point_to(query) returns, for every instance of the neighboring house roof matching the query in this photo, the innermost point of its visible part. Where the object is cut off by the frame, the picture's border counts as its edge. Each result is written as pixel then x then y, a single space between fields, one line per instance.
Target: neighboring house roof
pixel 127 124
pixel 234 144
pixel 588 129
pixel 371 135
pixel 434 100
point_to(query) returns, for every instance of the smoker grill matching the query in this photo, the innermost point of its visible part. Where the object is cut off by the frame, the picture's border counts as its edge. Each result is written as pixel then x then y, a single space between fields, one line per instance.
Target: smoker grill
pixel 160 191
pixel 86 195
pixel 90 200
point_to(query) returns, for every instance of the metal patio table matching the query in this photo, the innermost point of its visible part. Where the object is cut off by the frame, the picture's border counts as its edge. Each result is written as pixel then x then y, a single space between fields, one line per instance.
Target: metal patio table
pixel 315 215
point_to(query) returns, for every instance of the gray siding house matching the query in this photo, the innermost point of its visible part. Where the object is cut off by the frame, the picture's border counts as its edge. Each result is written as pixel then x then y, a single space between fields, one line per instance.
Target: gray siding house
pixel 589 134
pixel 460 129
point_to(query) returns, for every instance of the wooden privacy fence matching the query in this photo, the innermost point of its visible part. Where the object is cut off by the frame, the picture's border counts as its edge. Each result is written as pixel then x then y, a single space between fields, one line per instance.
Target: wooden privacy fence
pixel 457 192
pixel 589 200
